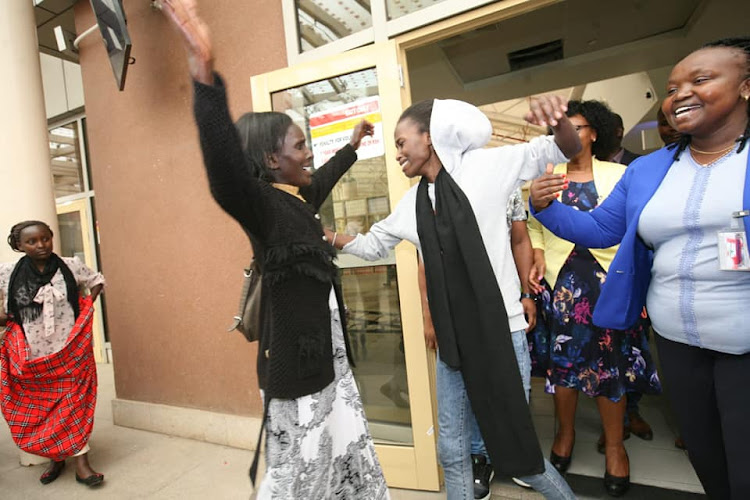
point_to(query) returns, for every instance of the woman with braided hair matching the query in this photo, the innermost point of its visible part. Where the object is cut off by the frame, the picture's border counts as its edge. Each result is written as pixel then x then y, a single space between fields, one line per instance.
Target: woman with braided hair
pixel 46 355
pixel 669 213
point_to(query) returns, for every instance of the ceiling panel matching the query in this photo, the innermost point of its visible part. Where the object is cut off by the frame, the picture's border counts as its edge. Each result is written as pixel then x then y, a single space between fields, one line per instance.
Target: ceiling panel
pixel 50 14
pixel 55 6
pixel 581 25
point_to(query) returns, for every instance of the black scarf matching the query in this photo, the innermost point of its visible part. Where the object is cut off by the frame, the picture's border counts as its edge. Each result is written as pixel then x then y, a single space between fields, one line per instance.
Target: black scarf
pixel 25 282
pixel 472 328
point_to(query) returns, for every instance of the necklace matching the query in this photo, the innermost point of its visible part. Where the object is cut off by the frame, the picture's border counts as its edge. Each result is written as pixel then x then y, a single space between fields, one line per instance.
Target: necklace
pixel 722 154
pixel 711 152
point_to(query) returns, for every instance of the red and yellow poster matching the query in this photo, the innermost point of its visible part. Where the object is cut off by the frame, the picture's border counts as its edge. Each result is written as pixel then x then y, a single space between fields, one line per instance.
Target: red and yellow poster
pixel 331 129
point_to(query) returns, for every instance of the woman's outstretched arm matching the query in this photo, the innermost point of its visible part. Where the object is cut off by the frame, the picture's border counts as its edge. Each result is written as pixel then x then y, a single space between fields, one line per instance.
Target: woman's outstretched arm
pixel 602 227
pixel 183 14
pixel 233 186
pixel 550 110
pixel 328 175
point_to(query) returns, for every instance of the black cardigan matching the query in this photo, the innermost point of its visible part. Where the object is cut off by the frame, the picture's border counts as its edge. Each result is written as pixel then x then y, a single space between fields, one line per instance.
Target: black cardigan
pixel 295 355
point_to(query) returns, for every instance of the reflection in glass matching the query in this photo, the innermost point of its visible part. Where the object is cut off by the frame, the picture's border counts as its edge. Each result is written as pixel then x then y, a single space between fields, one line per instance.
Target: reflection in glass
pixel 71 235
pixel 398 8
pixel 65 160
pixel 324 21
pixel 326 110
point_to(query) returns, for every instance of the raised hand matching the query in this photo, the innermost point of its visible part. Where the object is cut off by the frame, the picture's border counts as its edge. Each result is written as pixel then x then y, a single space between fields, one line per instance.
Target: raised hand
pixel 546 110
pixel 183 15
pixel 550 110
pixel 362 129
pixel 546 188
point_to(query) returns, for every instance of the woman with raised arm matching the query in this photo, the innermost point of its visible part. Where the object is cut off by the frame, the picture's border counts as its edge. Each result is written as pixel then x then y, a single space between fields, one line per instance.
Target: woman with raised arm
pixel 318 441
pixel 681 216
pixel 456 218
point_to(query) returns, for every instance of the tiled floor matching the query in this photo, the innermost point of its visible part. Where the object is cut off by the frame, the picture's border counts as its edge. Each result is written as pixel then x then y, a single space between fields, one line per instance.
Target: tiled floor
pixel 145 465
pixel 654 463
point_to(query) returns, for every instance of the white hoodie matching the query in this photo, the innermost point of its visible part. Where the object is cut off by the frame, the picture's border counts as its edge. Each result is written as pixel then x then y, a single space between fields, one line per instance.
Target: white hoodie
pixel 488 177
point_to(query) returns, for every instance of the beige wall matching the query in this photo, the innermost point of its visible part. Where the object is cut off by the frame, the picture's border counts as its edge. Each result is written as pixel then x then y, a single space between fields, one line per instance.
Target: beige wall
pixel 172 258
pixel 25 180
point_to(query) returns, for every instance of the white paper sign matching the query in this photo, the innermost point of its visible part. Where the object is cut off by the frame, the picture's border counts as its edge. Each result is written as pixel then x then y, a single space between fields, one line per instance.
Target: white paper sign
pixel 332 129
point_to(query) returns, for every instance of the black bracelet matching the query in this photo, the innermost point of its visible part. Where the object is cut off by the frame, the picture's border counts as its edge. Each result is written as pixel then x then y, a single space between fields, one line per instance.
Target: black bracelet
pixel 528 296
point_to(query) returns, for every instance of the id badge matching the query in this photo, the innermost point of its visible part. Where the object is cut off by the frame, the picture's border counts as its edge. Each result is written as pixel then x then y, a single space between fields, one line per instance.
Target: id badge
pixel 733 252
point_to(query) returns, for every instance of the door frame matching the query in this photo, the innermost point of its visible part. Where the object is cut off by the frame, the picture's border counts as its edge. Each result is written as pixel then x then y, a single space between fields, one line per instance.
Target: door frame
pixel 416 466
pixel 81 206
pixel 405 466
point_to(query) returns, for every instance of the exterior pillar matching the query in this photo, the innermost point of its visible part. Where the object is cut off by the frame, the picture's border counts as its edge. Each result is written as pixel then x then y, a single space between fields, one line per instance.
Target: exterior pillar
pixel 26 190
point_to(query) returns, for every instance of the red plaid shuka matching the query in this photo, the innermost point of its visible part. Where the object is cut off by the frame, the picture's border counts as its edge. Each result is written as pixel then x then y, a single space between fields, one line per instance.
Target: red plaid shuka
pixel 49 402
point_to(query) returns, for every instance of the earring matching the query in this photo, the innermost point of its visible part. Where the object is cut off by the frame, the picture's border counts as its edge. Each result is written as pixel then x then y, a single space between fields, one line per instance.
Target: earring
pixel 746 97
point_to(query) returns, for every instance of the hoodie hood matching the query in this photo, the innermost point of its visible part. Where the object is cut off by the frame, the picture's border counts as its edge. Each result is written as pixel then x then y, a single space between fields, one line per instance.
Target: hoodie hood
pixel 455 128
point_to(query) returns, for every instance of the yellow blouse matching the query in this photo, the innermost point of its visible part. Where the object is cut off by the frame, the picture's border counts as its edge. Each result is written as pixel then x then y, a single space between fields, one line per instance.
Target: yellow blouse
pixel 557 250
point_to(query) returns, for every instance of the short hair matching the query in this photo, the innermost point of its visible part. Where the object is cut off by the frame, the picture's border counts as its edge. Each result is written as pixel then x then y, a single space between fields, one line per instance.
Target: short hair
pixel 262 134
pixel 14 238
pixel 602 120
pixel 420 113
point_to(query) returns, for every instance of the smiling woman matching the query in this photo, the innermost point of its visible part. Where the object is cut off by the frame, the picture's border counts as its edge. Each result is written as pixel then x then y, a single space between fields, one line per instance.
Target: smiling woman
pixel 318 441
pixel 707 99
pixel 668 213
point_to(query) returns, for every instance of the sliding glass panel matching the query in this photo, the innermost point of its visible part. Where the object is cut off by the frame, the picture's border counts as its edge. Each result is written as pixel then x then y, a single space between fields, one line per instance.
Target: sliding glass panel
pixel 327 110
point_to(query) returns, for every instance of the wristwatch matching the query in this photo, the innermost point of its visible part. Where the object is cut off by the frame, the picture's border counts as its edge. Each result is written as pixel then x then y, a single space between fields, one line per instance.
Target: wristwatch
pixel 528 296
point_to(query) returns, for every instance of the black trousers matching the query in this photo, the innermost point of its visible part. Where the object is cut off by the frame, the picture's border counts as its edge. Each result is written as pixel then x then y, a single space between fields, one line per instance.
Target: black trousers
pixel 709 393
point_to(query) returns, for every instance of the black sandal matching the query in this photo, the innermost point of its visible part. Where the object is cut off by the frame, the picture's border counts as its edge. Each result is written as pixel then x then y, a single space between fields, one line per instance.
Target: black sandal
pixel 94 479
pixel 53 472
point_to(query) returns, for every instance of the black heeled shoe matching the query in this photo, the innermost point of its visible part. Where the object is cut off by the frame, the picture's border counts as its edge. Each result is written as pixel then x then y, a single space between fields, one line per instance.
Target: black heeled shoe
pixel 53 472
pixel 561 463
pixel 616 486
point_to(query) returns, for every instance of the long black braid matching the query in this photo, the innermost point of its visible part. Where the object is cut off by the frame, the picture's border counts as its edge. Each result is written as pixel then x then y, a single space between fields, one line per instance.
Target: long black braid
pixel 741 43
pixel 14 238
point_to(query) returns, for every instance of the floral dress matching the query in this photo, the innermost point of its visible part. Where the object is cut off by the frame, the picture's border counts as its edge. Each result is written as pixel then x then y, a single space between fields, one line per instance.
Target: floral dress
pixel 319 446
pixel 567 348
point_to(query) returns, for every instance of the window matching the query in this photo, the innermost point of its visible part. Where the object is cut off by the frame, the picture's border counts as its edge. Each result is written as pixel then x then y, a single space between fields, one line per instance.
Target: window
pixel 65 159
pixel 323 21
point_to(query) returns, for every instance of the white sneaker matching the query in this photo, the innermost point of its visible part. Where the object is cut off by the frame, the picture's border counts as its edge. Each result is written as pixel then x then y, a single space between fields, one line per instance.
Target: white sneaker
pixel 521 483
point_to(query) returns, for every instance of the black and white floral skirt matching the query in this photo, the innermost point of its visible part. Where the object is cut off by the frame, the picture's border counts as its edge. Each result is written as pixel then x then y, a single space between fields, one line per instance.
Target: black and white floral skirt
pixel 319 446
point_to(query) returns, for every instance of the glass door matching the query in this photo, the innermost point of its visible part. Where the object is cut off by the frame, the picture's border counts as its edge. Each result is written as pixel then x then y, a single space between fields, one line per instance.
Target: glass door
pixel 326 99
pixel 75 240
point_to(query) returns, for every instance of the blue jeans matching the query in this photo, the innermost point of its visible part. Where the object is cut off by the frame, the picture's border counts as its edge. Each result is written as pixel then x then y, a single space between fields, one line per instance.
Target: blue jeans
pixel 457 423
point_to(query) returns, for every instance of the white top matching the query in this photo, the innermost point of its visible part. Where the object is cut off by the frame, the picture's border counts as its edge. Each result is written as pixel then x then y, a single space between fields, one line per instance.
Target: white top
pixel 48 333
pixel 690 300
pixel 488 177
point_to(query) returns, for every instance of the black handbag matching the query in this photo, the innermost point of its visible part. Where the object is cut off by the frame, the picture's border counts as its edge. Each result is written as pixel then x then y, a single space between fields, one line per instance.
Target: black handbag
pixel 247 320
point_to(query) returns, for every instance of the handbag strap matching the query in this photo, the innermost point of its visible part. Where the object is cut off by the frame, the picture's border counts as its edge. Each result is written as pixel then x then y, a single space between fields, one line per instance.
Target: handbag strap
pixel 244 294
pixel 256 457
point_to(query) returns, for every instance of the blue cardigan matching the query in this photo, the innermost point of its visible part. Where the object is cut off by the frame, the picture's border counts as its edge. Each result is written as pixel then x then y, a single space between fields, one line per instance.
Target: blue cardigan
pixel 616 221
